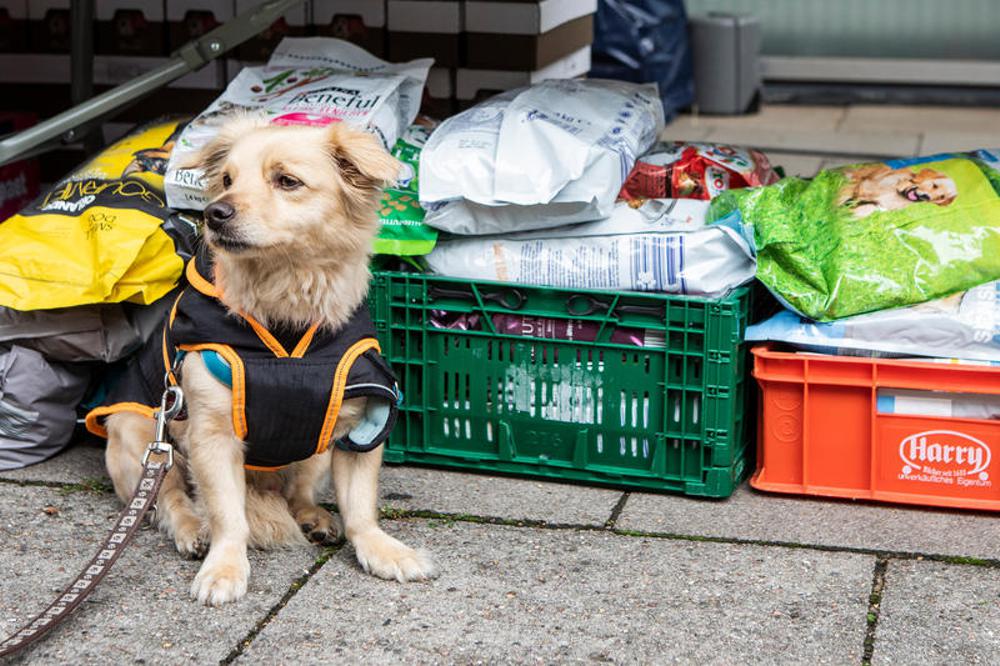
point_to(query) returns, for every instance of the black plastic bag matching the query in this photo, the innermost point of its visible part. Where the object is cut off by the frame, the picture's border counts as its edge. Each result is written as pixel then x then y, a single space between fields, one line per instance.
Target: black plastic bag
pixel 643 41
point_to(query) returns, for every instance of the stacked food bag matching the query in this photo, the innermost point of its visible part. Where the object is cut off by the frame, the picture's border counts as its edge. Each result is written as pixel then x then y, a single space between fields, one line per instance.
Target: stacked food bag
pixel 527 184
pixel 893 259
pixel 84 278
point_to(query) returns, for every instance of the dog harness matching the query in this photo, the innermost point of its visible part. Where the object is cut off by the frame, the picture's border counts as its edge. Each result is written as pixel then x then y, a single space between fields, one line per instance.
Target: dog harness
pixel 288 385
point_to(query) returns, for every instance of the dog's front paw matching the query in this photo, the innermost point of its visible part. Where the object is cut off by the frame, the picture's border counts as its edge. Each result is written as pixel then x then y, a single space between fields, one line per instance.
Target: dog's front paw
pixel 381 555
pixel 222 578
pixel 191 540
pixel 319 525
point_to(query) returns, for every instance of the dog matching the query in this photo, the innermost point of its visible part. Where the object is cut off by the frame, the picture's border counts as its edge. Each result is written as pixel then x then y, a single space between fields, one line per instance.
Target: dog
pixel 873 188
pixel 290 230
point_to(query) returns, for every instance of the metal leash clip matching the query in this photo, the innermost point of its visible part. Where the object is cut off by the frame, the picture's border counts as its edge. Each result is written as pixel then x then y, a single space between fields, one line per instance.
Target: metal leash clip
pixel 170 406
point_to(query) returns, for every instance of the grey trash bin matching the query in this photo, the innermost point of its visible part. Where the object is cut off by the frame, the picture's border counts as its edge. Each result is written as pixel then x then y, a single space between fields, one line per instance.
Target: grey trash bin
pixel 726 54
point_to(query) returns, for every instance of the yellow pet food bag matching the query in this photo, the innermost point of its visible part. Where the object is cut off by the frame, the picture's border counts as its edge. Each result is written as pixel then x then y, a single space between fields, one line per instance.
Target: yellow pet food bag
pixel 102 235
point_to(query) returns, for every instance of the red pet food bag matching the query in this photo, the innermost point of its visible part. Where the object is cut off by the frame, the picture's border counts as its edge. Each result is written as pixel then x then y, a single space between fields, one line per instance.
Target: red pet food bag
pixel 681 170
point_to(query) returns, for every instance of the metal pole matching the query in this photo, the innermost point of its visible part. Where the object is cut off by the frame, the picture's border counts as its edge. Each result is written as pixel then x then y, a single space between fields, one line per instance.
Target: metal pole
pixel 81 87
pixel 81 18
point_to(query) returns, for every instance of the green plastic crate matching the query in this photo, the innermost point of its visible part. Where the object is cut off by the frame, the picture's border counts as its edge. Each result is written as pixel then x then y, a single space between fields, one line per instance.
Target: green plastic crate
pixel 668 418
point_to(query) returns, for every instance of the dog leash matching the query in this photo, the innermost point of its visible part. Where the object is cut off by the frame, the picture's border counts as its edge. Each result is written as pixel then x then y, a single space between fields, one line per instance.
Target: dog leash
pixel 121 535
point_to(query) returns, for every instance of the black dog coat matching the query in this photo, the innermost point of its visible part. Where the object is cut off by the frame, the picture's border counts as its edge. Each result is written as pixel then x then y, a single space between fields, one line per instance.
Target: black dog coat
pixel 285 403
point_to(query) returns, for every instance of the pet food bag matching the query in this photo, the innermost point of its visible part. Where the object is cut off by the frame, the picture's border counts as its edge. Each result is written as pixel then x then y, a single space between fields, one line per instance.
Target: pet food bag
pixel 965 325
pixel 104 234
pixel 307 81
pixel 660 245
pixel 103 332
pixel 403 232
pixel 38 402
pixel 696 171
pixel 870 237
pixel 569 144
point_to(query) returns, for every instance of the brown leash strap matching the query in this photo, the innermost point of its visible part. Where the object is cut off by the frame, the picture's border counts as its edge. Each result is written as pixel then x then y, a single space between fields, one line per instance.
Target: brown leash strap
pixel 128 523
pixel 121 535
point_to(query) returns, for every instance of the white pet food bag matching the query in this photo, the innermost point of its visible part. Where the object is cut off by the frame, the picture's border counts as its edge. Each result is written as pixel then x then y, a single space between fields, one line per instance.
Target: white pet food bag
pixel 463 152
pixel 965 326
pixel 307 81
pixel 662 246
pixel 568 144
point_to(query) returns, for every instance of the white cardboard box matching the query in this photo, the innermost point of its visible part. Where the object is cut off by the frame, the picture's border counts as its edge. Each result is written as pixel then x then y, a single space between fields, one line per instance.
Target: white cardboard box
pixel 104 10
pixel 433 16
pixel 37 8
pixel 222 10
pixel 298 17
pixel 469 82
pixel 372 12
pixel 34 68
pixel 16 9
pixel 440 83
pixel 523 18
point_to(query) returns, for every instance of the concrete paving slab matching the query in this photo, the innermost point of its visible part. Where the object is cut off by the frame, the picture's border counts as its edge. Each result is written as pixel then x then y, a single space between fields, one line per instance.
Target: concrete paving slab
pixel 77 464
pixel 683 130
pixel 871 143
pixel 795 164
pixel 777 116
pixel 867 118
pixel 440 491
pixel 757 516
pixel 141 613
pixel 529 595
pixel 935 613
pixel 950 141
pixel 843 160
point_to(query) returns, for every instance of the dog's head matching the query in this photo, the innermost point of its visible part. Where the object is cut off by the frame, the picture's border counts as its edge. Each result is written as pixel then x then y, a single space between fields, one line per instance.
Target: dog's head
pixel 299 190
pixel 929 185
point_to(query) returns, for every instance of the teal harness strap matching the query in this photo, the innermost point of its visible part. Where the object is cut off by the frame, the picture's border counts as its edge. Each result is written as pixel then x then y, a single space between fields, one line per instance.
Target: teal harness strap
pixel 218 366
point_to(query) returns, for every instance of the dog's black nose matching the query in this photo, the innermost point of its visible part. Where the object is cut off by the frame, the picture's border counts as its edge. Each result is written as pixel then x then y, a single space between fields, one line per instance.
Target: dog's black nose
pixel 218 214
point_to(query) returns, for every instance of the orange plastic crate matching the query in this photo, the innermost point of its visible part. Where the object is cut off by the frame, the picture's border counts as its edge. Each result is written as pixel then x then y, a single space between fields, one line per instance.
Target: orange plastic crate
pixel 820 432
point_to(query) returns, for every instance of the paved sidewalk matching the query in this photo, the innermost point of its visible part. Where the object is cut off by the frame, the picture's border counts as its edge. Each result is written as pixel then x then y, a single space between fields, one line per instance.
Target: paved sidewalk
pixel 805 139
pixel 532 572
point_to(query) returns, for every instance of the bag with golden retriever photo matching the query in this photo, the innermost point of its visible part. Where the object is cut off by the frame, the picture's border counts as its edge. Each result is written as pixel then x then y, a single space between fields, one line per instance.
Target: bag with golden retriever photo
pixel 869 237
pixel 104 234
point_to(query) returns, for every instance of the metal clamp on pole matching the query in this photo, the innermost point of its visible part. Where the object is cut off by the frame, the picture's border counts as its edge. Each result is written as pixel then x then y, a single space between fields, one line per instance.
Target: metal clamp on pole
pixel 188 58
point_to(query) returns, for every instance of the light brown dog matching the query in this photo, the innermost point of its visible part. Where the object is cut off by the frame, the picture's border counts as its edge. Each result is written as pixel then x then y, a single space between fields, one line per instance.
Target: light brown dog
pixel 296 251
pixel 877 187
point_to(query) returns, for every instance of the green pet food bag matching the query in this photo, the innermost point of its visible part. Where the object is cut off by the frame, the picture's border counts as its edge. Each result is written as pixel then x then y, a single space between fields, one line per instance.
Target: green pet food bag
pixel 403 232
pixel 870 237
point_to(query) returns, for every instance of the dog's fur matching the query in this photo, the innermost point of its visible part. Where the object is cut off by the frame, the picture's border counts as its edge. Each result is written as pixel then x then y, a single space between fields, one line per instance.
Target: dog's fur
pixel 295 253
pixel 877 187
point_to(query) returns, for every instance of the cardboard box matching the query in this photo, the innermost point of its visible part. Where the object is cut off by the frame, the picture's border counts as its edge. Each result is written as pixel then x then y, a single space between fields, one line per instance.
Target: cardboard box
pixel 114 70
pixel 484 50
pixel 439 94
pixel 523 17
pixel 13 26
pixel 48 26
pixel 34 68
pixel 19 181
pixel 473 85
pixel 130 27
pixel 361 22
pixel 191 19
pixel 425 29
pixel 295 23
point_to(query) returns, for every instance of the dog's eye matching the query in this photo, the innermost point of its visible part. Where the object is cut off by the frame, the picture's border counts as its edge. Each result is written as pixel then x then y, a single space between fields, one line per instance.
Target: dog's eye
pixel 226 181
pixel 287 182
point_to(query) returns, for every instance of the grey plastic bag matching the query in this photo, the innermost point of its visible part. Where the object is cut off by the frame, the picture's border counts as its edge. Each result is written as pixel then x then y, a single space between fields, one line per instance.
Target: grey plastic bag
pixel 101 332
pixel 38 402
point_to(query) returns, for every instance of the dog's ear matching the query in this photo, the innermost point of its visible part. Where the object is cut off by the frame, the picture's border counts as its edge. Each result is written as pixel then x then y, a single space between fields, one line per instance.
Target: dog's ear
pixel 360 158
pixel 212 155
